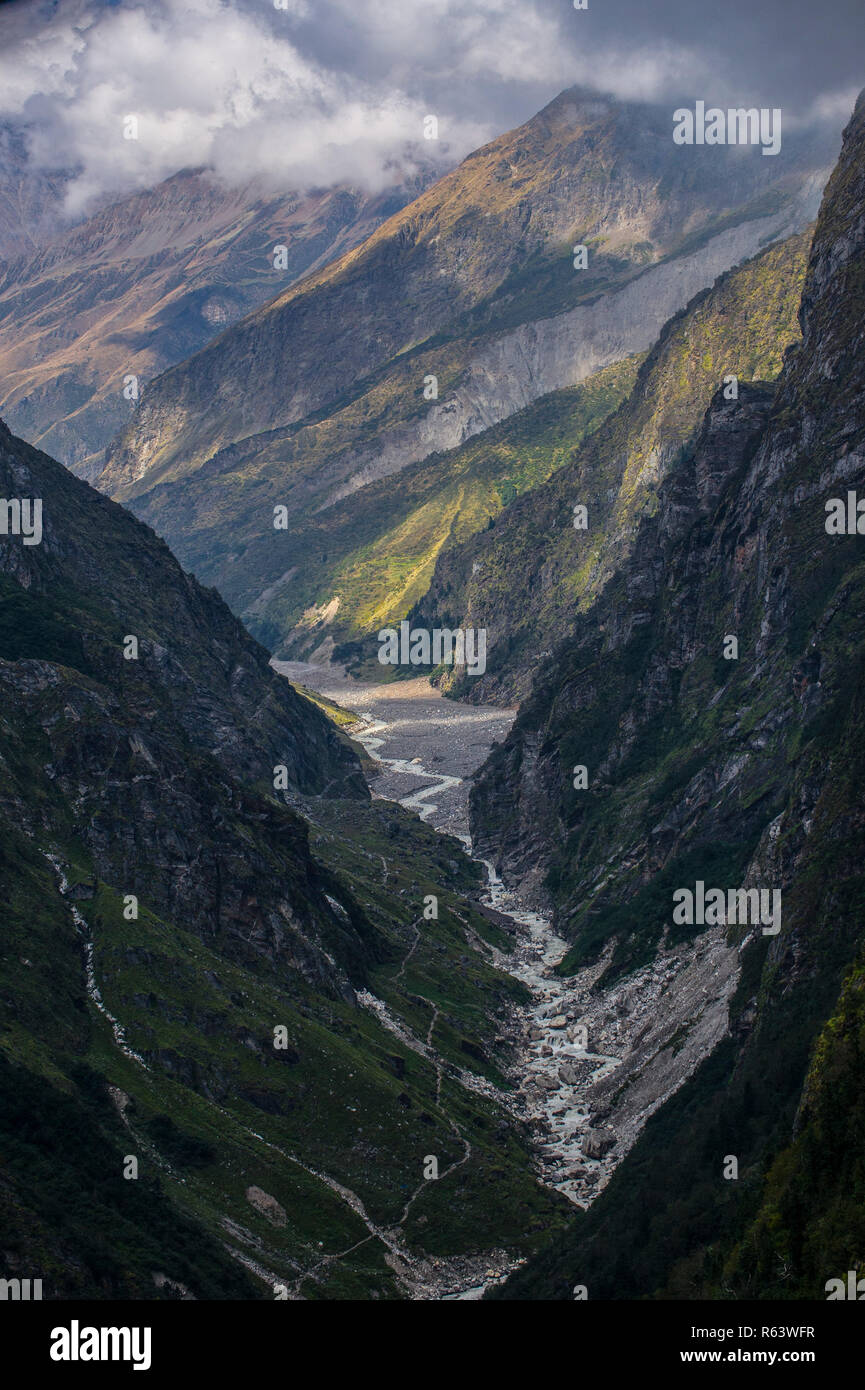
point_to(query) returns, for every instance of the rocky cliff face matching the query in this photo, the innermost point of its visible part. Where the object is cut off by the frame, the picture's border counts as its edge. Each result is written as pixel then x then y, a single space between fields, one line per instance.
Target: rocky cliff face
pixel 143 284
pixel 223 693
pixel 732 765
pixel 321 393
pixel 720 556
pixel 524 579
pixel 144 755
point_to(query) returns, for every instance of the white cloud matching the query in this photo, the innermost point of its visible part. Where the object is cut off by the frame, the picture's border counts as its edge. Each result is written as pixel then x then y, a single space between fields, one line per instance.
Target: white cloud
pixel 319 91
pixel 213 84
pixel 832 108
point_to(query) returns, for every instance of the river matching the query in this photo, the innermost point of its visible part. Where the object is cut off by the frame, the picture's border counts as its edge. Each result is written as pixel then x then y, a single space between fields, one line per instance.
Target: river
pixel 428 747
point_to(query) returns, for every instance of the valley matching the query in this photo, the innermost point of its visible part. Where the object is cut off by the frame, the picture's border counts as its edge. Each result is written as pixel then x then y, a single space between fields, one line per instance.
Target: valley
pixel 431 651
pixel 572 1045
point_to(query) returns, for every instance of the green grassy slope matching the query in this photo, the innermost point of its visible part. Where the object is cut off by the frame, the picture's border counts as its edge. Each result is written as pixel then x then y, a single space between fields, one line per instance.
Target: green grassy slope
pixel 375 551
pixel 525 579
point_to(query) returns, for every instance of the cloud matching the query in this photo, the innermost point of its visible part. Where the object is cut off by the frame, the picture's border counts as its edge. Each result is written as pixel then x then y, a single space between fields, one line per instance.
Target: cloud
pixel 831 108
pixel 211 83
pixel 322 91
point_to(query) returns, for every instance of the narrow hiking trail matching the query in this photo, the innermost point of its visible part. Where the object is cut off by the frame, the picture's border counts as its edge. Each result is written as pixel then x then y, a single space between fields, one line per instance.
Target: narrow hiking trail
pixel 418 1277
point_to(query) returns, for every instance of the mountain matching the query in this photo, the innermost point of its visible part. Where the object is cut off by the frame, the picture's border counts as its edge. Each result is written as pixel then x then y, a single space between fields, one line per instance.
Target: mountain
pixel 364 561
pixel 524 577
pixel 320 393
pixel 225 1049
pixel 137 740
pixel 715 764
pixel 233 1038
pixel 144 283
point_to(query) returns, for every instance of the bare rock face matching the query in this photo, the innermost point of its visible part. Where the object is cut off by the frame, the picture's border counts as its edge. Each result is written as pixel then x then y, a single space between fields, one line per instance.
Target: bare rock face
pixel 268 1206
pixel 713 690
pixel 598 1142
pixel 518 802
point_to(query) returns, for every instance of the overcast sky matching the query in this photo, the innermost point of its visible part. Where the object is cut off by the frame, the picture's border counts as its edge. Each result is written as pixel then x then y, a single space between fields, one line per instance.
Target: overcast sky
pixel 323 91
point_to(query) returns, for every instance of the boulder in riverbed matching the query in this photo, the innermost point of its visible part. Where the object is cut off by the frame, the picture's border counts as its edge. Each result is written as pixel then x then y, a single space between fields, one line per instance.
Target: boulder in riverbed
pixel 597 1142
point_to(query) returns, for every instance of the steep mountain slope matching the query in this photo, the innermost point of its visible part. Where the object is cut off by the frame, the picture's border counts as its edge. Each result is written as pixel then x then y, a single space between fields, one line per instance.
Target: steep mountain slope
pixel 321 392
pixel 134 742
pixel 730 770
pixel 145 282
pixel 364 560
pixel 524 580
pixel 218 974
pixel 98 576
pixel 453 538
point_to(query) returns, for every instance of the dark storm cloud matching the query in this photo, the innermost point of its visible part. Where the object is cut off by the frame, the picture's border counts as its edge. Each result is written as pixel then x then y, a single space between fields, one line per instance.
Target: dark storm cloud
pixel 774 52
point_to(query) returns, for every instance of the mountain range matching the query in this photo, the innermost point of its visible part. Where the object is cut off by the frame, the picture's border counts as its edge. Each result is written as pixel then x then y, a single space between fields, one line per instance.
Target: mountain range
pixel 470 292
pixel 96 310
pixel 191 863
pixel 221 973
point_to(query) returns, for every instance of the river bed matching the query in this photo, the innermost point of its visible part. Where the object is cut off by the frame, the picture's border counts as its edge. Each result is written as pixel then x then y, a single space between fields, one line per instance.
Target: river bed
pixel 428 747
